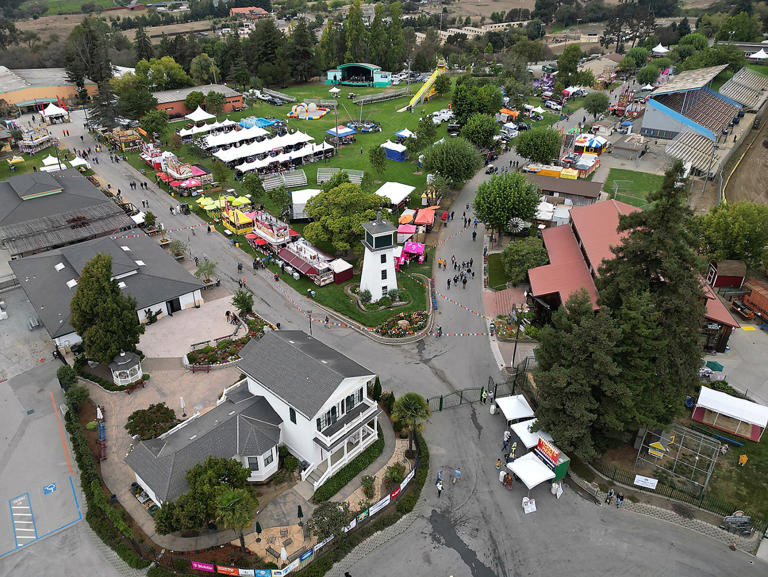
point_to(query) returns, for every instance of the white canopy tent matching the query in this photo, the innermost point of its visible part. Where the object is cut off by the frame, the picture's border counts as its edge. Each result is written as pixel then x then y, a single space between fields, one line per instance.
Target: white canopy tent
pixel 233 137
pixel 531 470
pixel 299 199
pixel 405 133
pixel 394 146
pixel 262 147
pixel 647 87
pixel 51 168
pixel 659 50
pixel 308 150
pixel 759 55
pixel 53 110
pixel 79 162
pixel 395 192
pixel 529 439
pixel 538 110
pixel 50 161
pixel 335 90
pixel 226 123
pixel 740 410
pixel 199 115
pixel 514 408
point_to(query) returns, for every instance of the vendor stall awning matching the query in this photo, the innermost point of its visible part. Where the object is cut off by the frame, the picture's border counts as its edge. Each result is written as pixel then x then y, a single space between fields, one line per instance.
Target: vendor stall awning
pixel 425 216
pixel 395 192
pixel 514 407
pixel 296 262
pixel 531 470
pixel 341 131
pixel 199 115
pixel 529 439
pixel 740 409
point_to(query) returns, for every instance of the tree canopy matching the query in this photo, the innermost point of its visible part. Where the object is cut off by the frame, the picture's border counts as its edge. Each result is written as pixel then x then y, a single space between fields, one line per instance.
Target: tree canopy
pixel 411 408
pixel 338 214
pixel 736 231
pixel 329 518
pixel 647 74
pixel 214 102
pixel 101 314
pixel 455 159
pixel 540 144
pixel 480 130
pixel 521 255
pixel 194 99
pixel 505 196
pixel 234 510
pixel 155 121
pixel 151 422
pixel 203 69
pixel 162 73
pixel 596 103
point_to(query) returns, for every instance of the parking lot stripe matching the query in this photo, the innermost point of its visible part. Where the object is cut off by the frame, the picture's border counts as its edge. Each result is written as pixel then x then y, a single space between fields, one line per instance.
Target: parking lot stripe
pixel 61 432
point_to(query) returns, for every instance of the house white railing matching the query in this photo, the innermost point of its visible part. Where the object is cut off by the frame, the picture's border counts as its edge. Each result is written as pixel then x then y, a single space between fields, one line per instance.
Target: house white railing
pixel 330 440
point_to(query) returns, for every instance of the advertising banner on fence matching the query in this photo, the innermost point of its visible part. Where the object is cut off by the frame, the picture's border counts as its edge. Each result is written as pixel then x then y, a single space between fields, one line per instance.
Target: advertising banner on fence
pixel 396 492
pixel 262 573
pixel 279 572
pixel 380 505
pixel 307 555
pixel 407 480
pixel 646 482
pixel 351 526
pixel 362 516
pixel 207 567
pixel 323 543
pixel 248 573
pixel 294 565
pixel 228 570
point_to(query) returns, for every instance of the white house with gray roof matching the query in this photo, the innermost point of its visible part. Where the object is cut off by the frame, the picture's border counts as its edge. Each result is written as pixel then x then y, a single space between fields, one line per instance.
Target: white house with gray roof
pixel 321 397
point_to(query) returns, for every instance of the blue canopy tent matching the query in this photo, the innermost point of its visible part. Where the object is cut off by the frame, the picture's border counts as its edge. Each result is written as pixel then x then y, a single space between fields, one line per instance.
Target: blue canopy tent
pixel 341 131
pixel 395 151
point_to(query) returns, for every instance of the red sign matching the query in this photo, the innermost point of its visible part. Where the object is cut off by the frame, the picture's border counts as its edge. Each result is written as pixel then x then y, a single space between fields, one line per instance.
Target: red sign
pixel 227 571
pixel 548 451
pixel 396 492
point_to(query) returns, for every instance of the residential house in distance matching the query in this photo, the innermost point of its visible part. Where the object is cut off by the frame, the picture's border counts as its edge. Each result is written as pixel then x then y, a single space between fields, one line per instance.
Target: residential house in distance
pixel 296 392
pixel 249 13
pixel 143 269
pixel 577 250
pixel 41 211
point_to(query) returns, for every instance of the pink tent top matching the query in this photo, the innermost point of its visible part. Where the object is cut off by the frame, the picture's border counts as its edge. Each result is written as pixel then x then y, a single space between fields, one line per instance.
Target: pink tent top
pixel 197 171
pixel 406 229
pixel 413 247
pixel 174 183
pixel 425 216
pixel 190 182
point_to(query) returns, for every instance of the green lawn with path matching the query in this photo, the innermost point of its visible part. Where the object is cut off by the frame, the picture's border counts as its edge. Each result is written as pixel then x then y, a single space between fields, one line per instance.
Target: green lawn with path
pixel 632 186
pixel 497 275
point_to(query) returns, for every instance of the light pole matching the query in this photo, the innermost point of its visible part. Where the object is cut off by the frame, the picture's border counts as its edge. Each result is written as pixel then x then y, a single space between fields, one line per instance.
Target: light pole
pixel 309 318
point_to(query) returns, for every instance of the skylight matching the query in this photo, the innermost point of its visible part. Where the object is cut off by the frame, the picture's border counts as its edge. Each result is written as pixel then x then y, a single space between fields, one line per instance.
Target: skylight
pixel 141 263
pixel 126 248
pixel 72 283
pixel 59 267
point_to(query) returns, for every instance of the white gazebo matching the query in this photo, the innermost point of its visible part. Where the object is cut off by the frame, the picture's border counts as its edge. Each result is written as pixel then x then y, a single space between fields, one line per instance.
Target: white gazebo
pixel 759 55
pixel 199 115
pixel 659 50
pixel 126 368
pixel 531 470
pixel 514 408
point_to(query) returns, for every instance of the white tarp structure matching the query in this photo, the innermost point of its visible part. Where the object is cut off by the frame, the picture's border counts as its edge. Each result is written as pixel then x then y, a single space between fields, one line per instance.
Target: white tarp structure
pixel 741 410
pixel 307 150
pixel 51 168
pixel 199 115
pixel 50 161
pixel 647 87
pixel 538 110
pixel 226 123
pixel 389 145
pixel 760 55
pixel 529 439
pixel 261 147
pixel 659 49
pixel 405 133
pixel 53 110
pixel 79 162
pixel 531 470
pixel 395 192
pixel 339 265
pixel 233 137
pixel 299 199
pixel 514 408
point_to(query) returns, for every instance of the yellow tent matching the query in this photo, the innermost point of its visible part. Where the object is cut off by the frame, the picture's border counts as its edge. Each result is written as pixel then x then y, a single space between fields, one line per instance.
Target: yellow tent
pixel 240 201
pixel 15 160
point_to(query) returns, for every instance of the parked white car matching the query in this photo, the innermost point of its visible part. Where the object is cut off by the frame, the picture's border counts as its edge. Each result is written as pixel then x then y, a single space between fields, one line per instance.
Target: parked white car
pixel 553 105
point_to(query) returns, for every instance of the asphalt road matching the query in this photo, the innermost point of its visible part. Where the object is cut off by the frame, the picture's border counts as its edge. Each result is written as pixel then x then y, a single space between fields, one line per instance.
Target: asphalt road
pixel 476 528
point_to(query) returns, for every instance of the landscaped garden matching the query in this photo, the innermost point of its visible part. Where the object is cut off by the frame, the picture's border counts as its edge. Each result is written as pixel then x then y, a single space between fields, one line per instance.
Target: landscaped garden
pixel 403 325
pixel 227 350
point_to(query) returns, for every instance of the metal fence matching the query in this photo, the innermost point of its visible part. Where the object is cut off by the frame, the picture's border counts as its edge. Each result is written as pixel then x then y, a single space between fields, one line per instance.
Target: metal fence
pixel 462 397
pixel 703 501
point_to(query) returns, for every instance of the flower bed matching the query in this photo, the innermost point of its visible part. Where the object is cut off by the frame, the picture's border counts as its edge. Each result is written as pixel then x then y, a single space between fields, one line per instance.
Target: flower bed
pixel 227 350
pixel 391 327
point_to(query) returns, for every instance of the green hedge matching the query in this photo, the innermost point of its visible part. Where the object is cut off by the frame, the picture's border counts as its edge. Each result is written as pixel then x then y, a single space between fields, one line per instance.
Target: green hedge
pixel 350 471
pixel 408 502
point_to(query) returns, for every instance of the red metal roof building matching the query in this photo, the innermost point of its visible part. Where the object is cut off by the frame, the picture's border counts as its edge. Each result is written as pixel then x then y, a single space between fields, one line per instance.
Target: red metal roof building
pixel 576 252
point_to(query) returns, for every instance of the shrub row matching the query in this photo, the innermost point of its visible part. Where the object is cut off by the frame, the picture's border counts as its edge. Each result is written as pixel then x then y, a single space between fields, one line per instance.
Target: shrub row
pixel 97 517
pixel 350 471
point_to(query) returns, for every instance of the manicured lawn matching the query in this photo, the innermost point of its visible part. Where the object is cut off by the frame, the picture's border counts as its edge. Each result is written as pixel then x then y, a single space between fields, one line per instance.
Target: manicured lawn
pixel 632 186
pixel 75 6
pixel 759 68
pixel 29 162
pixel 497 276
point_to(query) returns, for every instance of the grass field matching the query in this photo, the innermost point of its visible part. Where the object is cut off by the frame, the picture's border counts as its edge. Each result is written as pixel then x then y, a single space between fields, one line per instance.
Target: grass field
pixel 497 276
pixel 29 162
pixel 74 6
pixel 632 186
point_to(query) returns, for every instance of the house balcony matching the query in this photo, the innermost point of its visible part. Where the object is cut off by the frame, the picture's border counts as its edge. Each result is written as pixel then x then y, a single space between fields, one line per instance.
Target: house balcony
pixel 350 423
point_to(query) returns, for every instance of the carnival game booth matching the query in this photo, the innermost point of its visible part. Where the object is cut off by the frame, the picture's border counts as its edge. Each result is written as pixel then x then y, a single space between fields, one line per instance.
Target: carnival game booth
pixel 237 221
pixel 341 134
pixel 266 227
pixel 299 200
pixel 35 140
pixel 587 164
pixel 54 114
pixel 125 139
pixel 342 270
pixel 396 193
pixel 425 217
pixel 358 74
pixel 411 251
pixel 514 408
pixel 589 143
pixel 302 257
pixel 395 151
pixel 182 171
pixel 739 417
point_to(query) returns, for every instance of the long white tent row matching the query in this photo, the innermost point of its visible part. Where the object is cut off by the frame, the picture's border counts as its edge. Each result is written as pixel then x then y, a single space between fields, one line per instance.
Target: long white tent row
pixel 261 147
pixel 232 137
pixel 224 124
pixel 303 152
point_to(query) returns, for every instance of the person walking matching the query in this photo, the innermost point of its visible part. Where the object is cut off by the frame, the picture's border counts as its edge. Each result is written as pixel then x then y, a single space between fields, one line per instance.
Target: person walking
pixel 474 235
pixel 484 396
pixel 449 284
pixel 456 475
pixel 619 500
pixel 498 464
pixel 464 283
pixel 439 488
pixel 471 262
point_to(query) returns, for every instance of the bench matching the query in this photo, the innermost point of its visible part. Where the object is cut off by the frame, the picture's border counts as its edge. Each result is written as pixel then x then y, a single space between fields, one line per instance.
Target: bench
pixel 200 368
pixel 325 174
pixel 272 552
pixel 293 556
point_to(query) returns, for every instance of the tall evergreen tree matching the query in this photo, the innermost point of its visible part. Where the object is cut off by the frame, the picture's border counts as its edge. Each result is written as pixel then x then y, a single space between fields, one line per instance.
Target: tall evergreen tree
pixel 377 41
pixel 356 34
pixel 576 369
pixel 396 51
pixel 87 52
pixel 326 49
pixel 142 45
pixel 105 106
pixel 657 258
pixel 300 53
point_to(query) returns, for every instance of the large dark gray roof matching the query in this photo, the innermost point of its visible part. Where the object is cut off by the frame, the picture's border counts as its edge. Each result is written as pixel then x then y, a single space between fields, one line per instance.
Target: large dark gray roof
pixel 78 212
pixel 299 369
pixel 244 425
pixel 160 278
pixel 176 94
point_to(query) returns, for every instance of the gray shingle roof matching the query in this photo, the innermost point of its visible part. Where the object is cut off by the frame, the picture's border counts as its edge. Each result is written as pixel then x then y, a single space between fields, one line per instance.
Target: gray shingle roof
pixel 159 279
pixel 244 425
pixel 299 369
pixel 166 96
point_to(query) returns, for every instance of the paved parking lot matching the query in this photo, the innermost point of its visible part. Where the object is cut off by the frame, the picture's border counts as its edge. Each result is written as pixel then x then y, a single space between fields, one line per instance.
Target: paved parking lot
pixel 36 477
pixel 745 362
pixel 20 348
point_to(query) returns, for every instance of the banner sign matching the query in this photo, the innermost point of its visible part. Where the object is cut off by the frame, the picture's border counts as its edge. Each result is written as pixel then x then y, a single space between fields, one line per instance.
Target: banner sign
pixel 294 565
pixel 262 572
pixel 396 492
pixel 646 482
pixel 228 571
pixel 380 505
pixel 362 516
pixel 548 452
pixel 248 573
pixel 307 555
pixel 407 479
pixel 351 526
pixel 279 572
pixel 323 543
pixel 207 567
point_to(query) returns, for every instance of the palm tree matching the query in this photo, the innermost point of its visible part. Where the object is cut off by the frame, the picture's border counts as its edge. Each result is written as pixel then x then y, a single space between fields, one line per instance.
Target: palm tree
pixel 205 269
pixel 410 408
pixel 234 510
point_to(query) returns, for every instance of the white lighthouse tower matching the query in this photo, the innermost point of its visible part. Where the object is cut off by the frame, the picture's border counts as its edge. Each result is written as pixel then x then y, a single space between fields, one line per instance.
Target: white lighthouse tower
pixel 379 261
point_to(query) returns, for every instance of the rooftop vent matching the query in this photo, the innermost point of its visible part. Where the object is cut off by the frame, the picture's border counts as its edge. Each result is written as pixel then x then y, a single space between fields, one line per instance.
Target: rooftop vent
pixel 140 263
pixel 59 267
pixel 126 248
pixel 72 283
